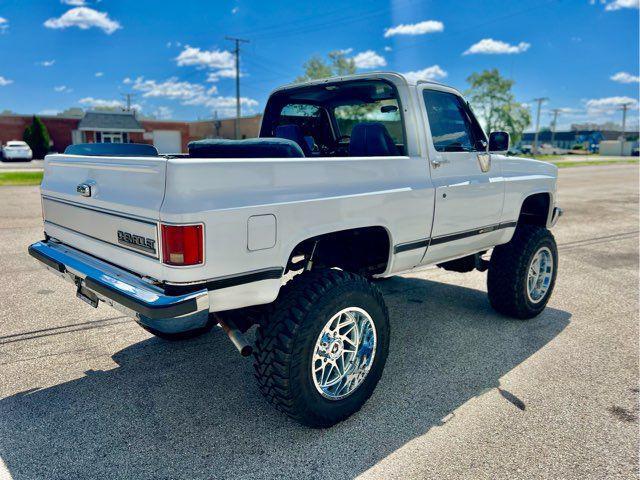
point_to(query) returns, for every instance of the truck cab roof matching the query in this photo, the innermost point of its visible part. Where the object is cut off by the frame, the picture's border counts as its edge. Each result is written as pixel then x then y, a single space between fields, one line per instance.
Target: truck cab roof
pixel 394 77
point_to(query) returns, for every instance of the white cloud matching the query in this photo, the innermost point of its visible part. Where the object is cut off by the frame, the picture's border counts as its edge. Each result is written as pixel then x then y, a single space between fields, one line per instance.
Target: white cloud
pixel 171 88
pixel 225 73
pixel 102 103
pixel 220 62
pixel 4 81
pixel 99 102
pixel 235 10
pixel 98 74
pixel 75 3
pixel 369 59
pixel 127 81
pixel 428 26
pixel 47 63
pixel 163 113
pixel 193 56
pixel 62 88
pixel 193 94
pixel 387 48
pixel 496 47
pixel 620 4
pixel 49 111
pixel 227 104
pixel 84 18
pixel 344 51
pixel 433 72
pixel 624 77
pixel 4 24
pixel 609 104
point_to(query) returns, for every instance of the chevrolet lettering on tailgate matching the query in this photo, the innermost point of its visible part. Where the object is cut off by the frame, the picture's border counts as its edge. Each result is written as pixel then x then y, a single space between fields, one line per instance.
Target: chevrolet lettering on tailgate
pixel 137 241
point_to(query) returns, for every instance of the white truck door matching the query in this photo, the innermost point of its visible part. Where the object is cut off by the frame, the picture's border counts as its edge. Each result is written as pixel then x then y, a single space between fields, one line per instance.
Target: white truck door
pixel 469 189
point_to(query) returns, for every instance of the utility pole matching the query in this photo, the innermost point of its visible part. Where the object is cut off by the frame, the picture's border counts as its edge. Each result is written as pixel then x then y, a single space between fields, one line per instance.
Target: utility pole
pixel 624 107
pixel 216 124
pixel 128 97
pixel 555 111
pixel 236 51
pixel 535 137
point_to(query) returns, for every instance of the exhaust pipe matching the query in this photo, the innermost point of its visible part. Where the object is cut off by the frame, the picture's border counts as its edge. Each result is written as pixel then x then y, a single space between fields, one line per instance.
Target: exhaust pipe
pixel 236 336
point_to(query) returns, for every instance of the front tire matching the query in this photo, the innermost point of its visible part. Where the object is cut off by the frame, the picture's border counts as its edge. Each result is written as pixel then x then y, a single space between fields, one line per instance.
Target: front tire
pixel 322 349
pixel 522 273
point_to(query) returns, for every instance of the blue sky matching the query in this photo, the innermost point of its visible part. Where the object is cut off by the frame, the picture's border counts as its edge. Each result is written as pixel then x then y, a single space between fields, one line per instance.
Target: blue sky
pixel 56 54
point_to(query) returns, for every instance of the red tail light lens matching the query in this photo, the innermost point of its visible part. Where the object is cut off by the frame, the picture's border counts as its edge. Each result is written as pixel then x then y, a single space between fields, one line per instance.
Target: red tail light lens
pixel 182 244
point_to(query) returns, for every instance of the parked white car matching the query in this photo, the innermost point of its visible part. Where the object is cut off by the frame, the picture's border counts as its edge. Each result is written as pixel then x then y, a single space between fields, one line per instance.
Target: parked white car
pixel 16 150
pixel 353 179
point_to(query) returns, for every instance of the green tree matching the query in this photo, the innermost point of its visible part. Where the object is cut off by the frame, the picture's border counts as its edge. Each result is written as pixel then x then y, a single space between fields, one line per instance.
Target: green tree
pixel 336 64
pixel 493 101
pixel 37 136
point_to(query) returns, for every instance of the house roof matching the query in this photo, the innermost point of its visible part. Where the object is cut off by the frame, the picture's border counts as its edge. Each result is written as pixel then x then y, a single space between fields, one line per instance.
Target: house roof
pixel 110 121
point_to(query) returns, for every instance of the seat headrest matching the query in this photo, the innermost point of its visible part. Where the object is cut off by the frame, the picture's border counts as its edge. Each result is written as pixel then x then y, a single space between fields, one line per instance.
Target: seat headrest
pixel 249 148
pixel 371 139
pixel 293 132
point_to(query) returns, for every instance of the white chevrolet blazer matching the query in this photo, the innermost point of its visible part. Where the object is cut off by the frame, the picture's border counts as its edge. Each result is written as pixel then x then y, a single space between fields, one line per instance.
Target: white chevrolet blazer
pixel 353 179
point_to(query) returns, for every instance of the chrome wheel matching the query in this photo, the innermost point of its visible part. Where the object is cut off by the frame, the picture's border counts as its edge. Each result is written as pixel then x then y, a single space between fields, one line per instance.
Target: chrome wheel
pixel 539 275
pixel 343 353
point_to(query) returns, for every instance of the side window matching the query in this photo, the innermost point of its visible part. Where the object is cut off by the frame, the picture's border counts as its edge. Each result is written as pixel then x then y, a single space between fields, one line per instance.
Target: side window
pixel 452 129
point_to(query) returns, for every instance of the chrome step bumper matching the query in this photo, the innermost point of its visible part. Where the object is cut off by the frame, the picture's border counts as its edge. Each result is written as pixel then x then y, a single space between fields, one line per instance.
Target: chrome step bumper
pixel 121 289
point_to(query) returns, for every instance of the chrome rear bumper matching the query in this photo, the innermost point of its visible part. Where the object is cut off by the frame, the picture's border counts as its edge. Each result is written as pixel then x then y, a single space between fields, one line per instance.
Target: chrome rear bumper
pixel 123 290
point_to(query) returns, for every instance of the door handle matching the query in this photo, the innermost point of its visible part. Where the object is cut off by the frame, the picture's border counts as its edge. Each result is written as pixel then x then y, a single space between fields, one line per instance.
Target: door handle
pixel 436 162
pixel 484 159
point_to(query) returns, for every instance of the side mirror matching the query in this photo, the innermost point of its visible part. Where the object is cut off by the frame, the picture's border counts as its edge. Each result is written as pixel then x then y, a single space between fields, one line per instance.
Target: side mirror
pixel 498 142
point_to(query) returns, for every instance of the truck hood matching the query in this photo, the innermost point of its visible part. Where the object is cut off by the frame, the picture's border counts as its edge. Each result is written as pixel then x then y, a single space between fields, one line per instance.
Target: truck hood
pixel 530 166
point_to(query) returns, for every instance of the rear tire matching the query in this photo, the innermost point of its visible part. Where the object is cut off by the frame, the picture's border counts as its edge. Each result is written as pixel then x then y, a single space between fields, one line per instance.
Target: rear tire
pixel 515 287
pixel 293 347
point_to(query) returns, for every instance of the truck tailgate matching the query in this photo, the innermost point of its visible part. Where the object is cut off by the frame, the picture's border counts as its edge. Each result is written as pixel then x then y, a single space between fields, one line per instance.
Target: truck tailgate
pixel 107 206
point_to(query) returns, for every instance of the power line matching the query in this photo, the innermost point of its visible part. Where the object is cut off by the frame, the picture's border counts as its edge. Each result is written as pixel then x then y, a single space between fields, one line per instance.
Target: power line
pixel 236 52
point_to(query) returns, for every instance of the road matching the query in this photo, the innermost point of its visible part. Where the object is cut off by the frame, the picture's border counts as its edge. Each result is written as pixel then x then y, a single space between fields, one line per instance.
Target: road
pixel 33 165
pixel 466 393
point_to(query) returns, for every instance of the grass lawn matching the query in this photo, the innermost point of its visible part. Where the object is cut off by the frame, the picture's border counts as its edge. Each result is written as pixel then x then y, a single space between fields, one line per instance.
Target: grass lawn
pixel 20 178
pixel 588 163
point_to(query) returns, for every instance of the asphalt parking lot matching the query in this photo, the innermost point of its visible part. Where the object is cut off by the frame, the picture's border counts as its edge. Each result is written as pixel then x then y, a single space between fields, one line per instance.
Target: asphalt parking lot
pixel 86 393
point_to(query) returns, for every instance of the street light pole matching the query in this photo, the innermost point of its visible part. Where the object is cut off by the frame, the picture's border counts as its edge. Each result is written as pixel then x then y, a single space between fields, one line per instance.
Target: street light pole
pixel 535 137
pixel 236 51
pixel 555 111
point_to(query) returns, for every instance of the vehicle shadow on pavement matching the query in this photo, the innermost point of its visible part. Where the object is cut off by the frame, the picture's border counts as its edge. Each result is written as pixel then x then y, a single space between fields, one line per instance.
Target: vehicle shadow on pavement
pixel 191 409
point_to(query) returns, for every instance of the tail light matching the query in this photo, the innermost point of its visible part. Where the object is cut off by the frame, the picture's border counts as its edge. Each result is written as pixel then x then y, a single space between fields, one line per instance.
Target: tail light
pixel 182 244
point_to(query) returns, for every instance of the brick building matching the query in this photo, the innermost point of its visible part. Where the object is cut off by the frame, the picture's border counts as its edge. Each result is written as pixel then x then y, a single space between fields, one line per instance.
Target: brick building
pixel 167 135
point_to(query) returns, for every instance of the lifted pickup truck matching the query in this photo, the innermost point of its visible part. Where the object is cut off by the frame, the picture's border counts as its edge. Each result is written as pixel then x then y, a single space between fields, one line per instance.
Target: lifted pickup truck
pixel 353 179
